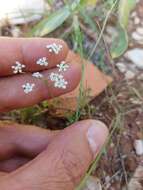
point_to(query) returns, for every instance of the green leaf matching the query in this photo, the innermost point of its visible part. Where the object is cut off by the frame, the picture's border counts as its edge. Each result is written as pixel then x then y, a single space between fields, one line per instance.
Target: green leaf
pixel 125 7
pixel 120 43
pixel 51 23
pixel 91 2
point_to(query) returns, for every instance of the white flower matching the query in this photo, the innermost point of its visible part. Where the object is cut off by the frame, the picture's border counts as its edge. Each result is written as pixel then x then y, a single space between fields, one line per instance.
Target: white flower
pixel 28 87
pixel 63 66
pixel 42 61
pixel 62 83
pixel 17 68
pixel 59 80
pixel 55 48
pixel 55 76
pixel 37 75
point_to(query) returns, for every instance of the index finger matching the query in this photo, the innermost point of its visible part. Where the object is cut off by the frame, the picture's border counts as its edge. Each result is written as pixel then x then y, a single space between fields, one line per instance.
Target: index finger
pixel 34 54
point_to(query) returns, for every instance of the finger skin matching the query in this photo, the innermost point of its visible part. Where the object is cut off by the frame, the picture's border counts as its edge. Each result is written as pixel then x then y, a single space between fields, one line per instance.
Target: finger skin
pixel 63 163
pixel 27 51
pixel 12 94
pixel 13 163
pixel 23 140
pixel 2 174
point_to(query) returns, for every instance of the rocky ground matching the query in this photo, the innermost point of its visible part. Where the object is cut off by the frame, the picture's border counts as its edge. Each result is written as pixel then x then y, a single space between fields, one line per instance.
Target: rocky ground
pixel 131 64
pixel 124 155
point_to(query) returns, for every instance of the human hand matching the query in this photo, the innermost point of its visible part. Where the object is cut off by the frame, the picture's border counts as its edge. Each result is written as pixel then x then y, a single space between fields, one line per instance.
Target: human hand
pixel 32 158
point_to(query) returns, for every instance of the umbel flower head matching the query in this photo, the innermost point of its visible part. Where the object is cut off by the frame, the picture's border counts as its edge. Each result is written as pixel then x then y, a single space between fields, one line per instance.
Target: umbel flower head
pixel 54 48
pixel 59 80
pixel 17 68
pixel 42 61
pixel 28 87
pixel 63 66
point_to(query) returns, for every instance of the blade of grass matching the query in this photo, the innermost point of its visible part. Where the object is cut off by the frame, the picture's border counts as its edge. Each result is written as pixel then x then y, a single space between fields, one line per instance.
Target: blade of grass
pixel 79 44
pixel 103 28
pixel 115 123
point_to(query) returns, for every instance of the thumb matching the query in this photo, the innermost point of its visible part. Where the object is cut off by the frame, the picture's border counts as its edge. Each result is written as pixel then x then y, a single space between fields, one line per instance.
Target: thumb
pixel 66 159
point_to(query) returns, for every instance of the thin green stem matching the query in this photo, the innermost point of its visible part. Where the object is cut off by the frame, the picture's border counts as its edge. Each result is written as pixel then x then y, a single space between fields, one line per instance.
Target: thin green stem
pixel 115 124
pixel 103 28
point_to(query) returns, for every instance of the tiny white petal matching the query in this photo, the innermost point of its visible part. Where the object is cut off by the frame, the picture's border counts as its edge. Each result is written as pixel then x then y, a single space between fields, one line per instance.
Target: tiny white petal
pixel 17 68
pixel 54 48
pixel 42 61
pixel 61 83
pixel 63 66
pixel 55 76
pixel 59 80
pixel 37 75
pixel 28 87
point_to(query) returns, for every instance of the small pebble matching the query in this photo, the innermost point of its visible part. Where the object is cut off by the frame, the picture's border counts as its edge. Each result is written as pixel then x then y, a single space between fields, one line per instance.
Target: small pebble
pixel 136 20
pixel 136 56
pixel 122 67
pixel 138 144
pixel 129 75
pixel 140 30
pixel 138 37
pixel 140 77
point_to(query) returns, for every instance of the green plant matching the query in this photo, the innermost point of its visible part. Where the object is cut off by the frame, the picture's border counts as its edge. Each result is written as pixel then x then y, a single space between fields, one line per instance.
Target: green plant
pixel 104 9
pixel 72 15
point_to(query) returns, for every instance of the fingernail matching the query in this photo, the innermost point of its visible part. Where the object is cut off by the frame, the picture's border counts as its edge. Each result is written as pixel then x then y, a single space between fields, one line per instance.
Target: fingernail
pixel 96 136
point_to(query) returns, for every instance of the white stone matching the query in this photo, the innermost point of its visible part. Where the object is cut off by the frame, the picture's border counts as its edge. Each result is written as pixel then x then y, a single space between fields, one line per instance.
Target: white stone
pixel 129 75
pixel 122 67
pixel 21 11
pixel 138 144
pixel 140 77
pixel 134 14
pixel 136 20
pixel 138 37
pixel 92 184
pixel 135 101
pixel 140 30
pixel 136 56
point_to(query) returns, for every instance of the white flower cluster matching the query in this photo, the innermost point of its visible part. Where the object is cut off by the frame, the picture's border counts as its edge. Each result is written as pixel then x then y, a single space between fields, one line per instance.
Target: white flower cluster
pixel 42 61
pixel 55 48
pixel 37 75
pixel 18 67
pixel 63 66
pixel 28 87
pixel 59 80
